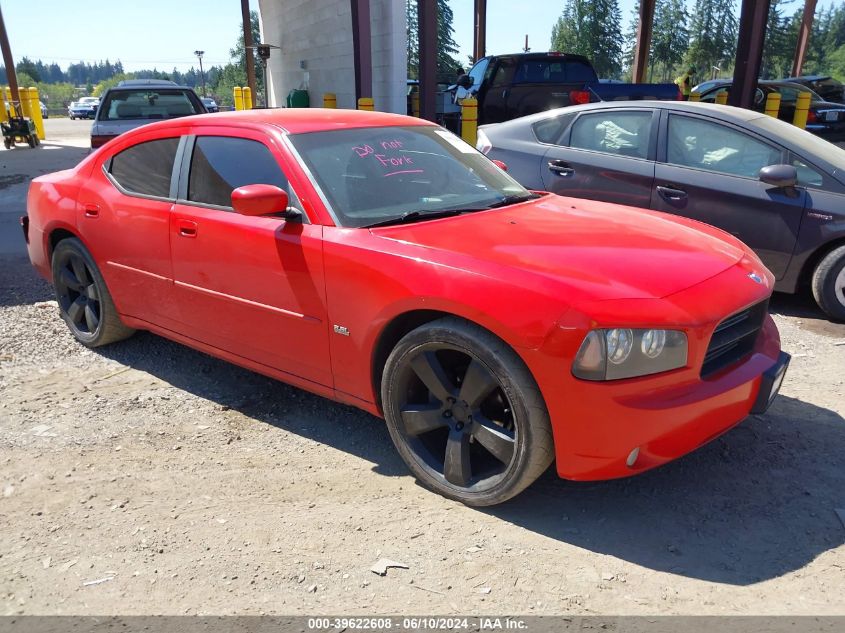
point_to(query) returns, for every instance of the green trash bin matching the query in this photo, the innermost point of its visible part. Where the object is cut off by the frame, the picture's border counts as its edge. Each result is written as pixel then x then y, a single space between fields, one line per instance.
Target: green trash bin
pixel 298 99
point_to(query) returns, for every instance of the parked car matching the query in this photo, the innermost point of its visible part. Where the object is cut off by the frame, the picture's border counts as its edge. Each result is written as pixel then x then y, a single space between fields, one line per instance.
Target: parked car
pixel 330 249
pixel 777 188
pixel 136 102
pixel 210 104
pixel 84 108
pixel 824 118
pixel 44 114
pixel 511 86
pixel 825 86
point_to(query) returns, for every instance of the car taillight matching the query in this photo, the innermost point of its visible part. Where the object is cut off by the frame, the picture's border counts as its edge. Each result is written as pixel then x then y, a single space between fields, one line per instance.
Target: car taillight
pixel 578 97
pixel 98 140
pixel 812 117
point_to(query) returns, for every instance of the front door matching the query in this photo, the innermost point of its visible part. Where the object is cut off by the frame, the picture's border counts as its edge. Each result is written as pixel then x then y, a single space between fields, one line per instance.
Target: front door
pixel 709 172
pixel 252 286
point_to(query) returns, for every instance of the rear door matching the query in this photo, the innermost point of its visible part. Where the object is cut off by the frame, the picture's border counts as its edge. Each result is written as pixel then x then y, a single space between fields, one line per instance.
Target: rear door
pixel 605 155
pixel 252 286
pixel 708 170
pixel 124 215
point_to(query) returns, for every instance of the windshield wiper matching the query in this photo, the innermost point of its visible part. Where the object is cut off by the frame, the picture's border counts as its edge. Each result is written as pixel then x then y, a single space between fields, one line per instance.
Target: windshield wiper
pixel 514 199
pixel 416 216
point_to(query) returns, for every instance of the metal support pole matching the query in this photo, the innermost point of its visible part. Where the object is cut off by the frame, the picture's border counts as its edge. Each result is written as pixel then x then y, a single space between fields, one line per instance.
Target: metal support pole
pixel 248 45
pixel 9 62
pixel 803 37
pixel 644 30
pixel 427 20
pixel 479 45
pixel 749 53
pixel 362 48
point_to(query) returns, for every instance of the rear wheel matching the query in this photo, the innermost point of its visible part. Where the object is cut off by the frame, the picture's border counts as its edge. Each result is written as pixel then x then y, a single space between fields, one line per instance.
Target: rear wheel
pixel 465 413
pixel 84 300
pixel 829 283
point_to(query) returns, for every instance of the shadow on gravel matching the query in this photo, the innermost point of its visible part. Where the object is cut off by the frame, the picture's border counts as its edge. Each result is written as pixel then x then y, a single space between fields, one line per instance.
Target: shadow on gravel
pixel 263 399
pixel 20 284
pixel 803 306
pixel 753 505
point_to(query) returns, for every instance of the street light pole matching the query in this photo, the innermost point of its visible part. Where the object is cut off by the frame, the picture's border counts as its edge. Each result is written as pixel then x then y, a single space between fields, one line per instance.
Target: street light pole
pixel 199 55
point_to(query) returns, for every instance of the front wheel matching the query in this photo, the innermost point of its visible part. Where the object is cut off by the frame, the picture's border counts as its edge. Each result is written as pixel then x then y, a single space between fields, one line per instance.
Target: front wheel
pixel 829 283
pixel 84 300
pixel 465 413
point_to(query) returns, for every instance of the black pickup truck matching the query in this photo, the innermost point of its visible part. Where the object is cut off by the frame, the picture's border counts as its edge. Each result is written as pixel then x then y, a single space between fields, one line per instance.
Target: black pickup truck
pixel 511 86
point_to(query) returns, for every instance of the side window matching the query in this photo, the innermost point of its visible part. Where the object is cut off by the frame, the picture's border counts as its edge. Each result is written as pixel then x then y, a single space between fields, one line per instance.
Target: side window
pixel 503 75
pixel 221 164
pixel 146 168
pixel 808 176
pixel 477 72
pixel 714 147
pixel 614 132
pixel 550 130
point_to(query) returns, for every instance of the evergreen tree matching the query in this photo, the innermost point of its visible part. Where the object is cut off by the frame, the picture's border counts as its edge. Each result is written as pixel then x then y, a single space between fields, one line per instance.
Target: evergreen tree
pixel 446 46
pixel 669 40
pixel 592 28
pixel 713 36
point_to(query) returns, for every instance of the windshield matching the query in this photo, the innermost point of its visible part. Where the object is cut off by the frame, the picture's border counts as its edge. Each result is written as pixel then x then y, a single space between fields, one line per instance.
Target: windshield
pixel 373 175
pixel 812 146
pixel 161 103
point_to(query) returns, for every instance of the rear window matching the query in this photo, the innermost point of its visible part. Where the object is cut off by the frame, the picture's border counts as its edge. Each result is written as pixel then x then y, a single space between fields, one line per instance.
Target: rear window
pixel 554 71
pixel 149 103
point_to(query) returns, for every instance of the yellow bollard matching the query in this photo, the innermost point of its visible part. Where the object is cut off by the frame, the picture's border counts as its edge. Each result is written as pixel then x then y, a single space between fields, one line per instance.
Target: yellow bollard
pixel 366 103
pixel 239 98
pixel 247 98
pixel 415 104
pixel 773 104
pixel 469 120
pixel 802 107
pixel 26 105
pixel 4 114
pixel 35 112
pixel 12 111
pixel 722 98
pixel 329 100
pixel 695 96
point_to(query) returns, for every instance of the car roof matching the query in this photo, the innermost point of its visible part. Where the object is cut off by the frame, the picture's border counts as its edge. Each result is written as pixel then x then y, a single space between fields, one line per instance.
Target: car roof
pixel 296 120
pixel 128 83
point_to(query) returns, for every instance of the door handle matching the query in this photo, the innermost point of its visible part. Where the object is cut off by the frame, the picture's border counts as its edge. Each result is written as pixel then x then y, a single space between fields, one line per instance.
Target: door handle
pixel 669 193
pixel 187 228
pixel 560 168
pixel 91 210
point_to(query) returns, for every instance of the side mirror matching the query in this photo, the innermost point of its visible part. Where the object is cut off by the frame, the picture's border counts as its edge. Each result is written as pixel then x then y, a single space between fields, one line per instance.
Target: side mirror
pixel 256 200
pixel 500 165
pixel 465 82
pixel 779 175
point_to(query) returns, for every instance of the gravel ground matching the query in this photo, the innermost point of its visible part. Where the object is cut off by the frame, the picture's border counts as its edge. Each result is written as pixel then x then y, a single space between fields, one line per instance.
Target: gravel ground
pixel 148 478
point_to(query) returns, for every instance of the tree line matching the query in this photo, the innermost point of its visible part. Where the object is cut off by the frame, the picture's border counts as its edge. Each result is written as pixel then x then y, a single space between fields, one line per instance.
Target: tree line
pixel 704 37
pixel 57 87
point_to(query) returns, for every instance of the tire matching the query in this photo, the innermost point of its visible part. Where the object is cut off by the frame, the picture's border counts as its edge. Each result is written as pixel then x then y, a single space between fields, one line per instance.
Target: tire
pixel 829 283
pixel 84 300
pixel 465 413
pixel 73 118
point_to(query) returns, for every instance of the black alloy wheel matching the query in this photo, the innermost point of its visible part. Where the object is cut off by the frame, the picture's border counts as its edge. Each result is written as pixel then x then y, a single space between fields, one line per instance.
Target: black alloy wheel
pixel 84 300
pixel 456 399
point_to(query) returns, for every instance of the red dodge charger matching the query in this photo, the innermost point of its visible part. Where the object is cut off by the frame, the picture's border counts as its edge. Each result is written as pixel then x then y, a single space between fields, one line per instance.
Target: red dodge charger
pixel 380 261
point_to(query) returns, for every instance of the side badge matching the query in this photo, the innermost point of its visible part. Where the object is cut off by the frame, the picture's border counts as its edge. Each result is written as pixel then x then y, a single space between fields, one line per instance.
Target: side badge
pixel 752 276
pixel 339 329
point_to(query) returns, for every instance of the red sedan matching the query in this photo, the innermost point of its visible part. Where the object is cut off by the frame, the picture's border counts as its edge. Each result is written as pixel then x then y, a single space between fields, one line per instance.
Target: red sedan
pixel 378 260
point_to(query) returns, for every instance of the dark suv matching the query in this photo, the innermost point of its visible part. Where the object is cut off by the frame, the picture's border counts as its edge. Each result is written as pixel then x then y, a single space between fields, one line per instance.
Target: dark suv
pixel 135 102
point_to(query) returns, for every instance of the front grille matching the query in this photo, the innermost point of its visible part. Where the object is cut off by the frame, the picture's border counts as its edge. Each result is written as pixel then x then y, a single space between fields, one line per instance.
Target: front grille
pixel 734 338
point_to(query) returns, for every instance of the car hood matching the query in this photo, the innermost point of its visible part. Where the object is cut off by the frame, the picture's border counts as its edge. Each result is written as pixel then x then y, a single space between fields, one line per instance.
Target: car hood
pixel 599 250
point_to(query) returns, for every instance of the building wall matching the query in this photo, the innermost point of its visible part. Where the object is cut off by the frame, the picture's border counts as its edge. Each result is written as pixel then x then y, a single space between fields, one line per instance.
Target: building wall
pixel 316 53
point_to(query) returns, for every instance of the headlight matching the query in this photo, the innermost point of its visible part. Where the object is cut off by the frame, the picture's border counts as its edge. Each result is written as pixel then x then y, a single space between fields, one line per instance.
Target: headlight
pixel 625 353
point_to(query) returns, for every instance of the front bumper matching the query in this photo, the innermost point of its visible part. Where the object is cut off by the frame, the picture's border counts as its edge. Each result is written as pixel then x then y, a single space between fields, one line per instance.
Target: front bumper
pixel 606 430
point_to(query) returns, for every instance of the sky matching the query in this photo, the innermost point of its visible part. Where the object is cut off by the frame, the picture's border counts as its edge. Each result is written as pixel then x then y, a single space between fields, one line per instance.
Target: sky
pixel 165 33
